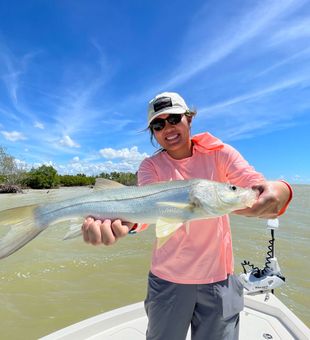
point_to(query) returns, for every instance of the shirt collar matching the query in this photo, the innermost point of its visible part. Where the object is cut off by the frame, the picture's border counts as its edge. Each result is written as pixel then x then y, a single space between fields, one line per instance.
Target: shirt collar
pixel 205 142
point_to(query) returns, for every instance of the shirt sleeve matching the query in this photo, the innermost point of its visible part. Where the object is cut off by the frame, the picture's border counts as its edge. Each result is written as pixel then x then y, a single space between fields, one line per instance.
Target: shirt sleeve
pixel 282 211
pixel 236 169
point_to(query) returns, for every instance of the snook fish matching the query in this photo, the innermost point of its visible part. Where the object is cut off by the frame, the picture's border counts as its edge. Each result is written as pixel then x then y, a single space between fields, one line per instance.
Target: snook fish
pixel 166 204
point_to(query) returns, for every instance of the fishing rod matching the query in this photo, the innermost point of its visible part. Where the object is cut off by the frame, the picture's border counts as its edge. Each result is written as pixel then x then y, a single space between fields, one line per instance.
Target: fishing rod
pixel 256 280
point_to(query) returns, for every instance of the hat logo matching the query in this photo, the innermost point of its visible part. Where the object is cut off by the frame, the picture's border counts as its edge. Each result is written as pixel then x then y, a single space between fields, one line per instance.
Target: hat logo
pixel 162 103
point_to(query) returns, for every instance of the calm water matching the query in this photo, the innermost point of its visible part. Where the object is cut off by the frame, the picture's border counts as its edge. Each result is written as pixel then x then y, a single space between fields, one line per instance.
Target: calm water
pixel 52 283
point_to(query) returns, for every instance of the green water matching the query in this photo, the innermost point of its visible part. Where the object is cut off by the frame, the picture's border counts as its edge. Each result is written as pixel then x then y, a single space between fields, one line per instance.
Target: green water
pixel 52 283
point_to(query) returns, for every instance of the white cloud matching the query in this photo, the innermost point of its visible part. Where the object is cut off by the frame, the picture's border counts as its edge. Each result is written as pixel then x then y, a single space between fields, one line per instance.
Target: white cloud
pixel 129 154
pixel 67 141
pixel 13 136
pixel 39 125
pixel 122 160
pixel 92 169
pixel 76 159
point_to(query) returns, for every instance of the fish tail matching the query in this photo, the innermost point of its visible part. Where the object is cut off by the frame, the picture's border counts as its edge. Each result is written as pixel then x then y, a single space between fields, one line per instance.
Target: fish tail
pixel 17 228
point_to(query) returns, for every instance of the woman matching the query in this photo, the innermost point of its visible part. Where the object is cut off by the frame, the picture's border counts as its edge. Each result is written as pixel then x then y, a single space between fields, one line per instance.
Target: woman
pixel 191 280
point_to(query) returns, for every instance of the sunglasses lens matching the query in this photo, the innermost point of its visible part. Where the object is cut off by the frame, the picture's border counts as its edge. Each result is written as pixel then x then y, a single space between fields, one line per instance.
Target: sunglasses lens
pixel 174 119
pixel 158 124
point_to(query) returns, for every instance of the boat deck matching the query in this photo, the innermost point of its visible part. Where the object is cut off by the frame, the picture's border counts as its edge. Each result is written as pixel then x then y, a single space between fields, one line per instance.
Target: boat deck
pixel 260 319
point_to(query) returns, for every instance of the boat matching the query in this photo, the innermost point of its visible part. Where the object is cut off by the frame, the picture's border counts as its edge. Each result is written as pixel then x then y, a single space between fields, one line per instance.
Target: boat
pixel 264 316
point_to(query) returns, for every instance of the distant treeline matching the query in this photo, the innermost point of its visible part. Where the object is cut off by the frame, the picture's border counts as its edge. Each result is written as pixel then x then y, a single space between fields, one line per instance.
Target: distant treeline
pixel 13 177
pixel 46 177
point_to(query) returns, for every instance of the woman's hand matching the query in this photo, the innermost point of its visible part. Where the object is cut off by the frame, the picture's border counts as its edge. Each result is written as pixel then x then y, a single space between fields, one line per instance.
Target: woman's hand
pixel 105 232
pixel 272 198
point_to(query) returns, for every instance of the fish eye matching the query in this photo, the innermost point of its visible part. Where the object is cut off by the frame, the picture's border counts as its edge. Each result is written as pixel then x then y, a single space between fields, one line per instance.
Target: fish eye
pixel 233 187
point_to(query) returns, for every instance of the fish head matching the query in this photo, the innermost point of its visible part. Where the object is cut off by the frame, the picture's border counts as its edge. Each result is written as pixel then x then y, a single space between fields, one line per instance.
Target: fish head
pixel 236 197
pixel 220 198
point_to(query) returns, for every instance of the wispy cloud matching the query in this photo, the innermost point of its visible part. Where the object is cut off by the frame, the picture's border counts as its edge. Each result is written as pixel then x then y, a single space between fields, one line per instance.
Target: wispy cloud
pixel 8 114
pixel 293 30
pixel 298 56
pixel 67 141
pixel 69 112
pixel 205 52
pixel 39 125
pixel 255 95
pixel 13 68
pixel 242 130
pixel 13 136
pixel 76 110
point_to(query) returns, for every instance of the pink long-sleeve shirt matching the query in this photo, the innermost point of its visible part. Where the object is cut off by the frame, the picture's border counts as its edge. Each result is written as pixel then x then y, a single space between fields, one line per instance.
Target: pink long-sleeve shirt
pixel 204 254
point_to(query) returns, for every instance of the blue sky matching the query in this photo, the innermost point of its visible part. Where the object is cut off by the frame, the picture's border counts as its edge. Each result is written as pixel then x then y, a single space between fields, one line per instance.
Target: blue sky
pixel 76 77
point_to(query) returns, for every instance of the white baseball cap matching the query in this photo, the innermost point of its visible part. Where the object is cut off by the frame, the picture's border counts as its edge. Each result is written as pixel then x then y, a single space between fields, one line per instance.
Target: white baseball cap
pixel 166 102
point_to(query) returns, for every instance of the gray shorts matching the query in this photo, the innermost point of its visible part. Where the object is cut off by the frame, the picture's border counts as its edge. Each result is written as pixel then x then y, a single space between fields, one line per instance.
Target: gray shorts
pixel 212 309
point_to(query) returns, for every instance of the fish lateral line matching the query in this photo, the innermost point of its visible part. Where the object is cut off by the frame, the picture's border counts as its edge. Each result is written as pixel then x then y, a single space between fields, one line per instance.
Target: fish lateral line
pixel 130 198
pixel 155 186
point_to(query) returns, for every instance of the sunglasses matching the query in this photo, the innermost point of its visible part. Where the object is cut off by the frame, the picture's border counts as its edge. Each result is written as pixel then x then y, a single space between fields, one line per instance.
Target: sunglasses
pixel 159 123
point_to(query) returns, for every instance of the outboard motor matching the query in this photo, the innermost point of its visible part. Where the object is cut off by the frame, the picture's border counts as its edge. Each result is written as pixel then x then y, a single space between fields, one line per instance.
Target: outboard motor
pixel 257 280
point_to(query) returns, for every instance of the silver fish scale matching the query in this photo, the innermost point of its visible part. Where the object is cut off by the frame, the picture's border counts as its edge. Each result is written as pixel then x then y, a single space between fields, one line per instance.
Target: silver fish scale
pixel 133 192
pixel 131 204
pixel 118 194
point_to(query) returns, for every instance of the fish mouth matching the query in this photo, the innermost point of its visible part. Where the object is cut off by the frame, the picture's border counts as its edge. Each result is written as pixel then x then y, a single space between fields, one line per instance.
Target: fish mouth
pixel 250 198
pixel 246 199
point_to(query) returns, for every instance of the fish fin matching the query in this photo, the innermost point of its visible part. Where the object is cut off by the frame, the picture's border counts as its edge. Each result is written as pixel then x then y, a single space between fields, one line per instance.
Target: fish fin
pixel 74 231
pixel 175 205
pixel 162 241
pixel 187 225
pixel 165 227
pixel 56 195
pixel 104 183
pixel 19 227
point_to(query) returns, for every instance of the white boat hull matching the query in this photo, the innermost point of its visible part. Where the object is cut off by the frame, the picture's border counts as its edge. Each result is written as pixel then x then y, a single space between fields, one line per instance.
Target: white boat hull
pixel 260 319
